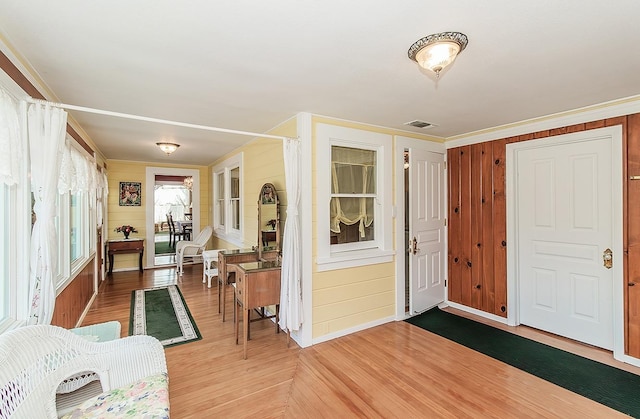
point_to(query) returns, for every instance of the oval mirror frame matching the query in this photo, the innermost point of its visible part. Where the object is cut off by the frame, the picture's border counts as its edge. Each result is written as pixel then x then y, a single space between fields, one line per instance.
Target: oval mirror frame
pixel 268 218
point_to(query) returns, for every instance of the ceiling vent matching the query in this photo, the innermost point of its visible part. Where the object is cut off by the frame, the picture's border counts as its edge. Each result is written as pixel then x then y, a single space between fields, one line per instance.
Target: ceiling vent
pixel 420 124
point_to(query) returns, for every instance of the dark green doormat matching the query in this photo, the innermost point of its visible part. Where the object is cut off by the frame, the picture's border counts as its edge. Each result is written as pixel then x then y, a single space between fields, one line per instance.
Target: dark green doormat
pixel 618 389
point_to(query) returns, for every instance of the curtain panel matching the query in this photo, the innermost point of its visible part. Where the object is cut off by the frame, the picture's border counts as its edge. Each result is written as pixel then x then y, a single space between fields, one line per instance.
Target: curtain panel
pixel 46 132
pixel 291 317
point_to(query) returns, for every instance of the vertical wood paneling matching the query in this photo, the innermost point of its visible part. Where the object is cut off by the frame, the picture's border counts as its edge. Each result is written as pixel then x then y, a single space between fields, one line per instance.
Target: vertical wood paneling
pixel 481 220
pixel 476 226
pixel 465 224
pixel 632 292
pixel 454 238
pixel 500 227
pixel 488 278
pixel 73 300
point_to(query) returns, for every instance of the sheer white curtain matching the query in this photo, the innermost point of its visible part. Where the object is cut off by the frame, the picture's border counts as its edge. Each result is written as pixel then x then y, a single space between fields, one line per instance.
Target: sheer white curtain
pixel 77 171
pixel 11 155
pixel 352 172
pixel 291 272
pixel 46 130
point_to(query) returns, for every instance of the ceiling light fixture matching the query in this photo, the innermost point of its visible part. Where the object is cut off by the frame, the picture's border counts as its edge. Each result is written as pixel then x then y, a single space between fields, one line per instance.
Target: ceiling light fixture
pixel 435 52
pixel 168 147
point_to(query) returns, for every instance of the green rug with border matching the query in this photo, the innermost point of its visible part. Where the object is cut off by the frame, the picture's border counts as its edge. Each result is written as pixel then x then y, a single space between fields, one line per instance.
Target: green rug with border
pixel 602 383
pixel 162 313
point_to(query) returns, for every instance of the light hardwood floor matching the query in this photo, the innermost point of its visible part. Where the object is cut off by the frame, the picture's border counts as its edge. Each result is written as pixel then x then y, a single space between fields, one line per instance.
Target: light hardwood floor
pixel 391 371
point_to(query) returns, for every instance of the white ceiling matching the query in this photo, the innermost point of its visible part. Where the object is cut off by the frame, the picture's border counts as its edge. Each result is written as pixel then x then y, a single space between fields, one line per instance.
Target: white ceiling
pixel 250 65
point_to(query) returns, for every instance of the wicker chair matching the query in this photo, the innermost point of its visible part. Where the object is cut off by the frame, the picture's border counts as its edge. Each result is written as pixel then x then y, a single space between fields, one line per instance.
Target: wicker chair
pixel 192 249
pixel 36 360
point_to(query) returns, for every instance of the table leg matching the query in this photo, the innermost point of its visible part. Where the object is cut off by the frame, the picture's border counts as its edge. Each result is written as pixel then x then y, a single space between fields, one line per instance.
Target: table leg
pixel 235 318
pixel 224 297
pixel 245 330
pixel 110 263
pixel 140 261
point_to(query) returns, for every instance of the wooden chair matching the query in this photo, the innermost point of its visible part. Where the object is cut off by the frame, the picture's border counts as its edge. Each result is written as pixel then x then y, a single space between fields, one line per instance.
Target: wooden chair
pixel 175 235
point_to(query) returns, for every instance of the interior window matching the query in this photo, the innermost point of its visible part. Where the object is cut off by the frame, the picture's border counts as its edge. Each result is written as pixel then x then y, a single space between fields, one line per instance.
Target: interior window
pixel 354 178
pixel 353 193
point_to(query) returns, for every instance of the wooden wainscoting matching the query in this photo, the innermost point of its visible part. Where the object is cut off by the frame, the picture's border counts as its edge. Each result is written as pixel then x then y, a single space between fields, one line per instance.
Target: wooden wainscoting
pixel 73 300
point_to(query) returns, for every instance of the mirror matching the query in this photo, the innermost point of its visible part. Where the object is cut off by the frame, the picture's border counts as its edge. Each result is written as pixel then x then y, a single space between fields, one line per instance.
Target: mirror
pixel 268 218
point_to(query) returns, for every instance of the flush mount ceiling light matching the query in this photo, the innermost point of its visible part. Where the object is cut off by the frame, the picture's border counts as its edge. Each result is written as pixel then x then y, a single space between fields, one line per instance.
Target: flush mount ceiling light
pixel 435 52
pixel 168 147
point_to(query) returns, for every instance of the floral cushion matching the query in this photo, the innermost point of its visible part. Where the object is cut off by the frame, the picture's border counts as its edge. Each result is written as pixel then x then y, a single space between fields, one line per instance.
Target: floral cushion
pixel 147 398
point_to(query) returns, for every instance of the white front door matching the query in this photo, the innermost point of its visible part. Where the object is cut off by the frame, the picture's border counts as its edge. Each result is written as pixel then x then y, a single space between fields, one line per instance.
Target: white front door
pixel 564 224
pixel 427 217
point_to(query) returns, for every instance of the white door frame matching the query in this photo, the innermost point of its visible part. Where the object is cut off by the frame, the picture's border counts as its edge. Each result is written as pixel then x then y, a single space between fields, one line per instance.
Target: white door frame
pixel 151 173
pixel 398 212
pixel 615 134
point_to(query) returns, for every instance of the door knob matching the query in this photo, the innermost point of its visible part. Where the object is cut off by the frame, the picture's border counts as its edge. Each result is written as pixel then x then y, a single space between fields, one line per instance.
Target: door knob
pixel 607 257
pixel 413 246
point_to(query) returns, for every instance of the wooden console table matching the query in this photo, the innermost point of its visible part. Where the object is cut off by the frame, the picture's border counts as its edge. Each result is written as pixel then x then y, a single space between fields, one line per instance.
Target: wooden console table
pixel 227 261
pixel 257 286
pixel 124 246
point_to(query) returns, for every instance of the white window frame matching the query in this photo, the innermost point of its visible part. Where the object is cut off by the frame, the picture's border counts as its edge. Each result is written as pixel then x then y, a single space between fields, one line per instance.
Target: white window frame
pixel 379 250
pixel 225 230
pixel 16 219
pixel 68 269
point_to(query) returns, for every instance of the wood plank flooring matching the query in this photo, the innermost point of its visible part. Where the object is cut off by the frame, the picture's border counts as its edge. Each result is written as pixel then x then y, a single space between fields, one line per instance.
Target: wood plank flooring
pixel 391 371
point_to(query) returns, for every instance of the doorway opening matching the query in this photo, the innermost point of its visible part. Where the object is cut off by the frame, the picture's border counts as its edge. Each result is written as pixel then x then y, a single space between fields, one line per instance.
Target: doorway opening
pixel 173 195
pixel 172 211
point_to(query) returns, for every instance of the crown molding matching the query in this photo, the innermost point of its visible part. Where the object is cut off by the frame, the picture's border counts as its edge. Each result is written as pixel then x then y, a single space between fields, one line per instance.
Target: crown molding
pixel 620 107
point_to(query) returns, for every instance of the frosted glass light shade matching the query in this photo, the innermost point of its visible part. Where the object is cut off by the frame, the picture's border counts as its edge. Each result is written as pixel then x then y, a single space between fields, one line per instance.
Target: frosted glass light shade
pixel 168 147
pixel 437 51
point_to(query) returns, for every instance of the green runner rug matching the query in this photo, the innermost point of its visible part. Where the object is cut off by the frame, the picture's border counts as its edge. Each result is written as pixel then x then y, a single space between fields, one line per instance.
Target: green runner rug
pixel 607 385
pixel 163 314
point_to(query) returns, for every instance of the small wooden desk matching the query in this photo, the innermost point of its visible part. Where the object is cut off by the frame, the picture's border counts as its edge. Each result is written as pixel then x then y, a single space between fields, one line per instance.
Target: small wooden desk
pixel 257 285
pixel 227 261
pixel 124 246
pixel 268 236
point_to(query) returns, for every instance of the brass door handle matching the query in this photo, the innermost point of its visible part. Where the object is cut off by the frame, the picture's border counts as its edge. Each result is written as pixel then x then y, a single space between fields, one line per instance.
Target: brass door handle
pixel 607 258
pixel 413 246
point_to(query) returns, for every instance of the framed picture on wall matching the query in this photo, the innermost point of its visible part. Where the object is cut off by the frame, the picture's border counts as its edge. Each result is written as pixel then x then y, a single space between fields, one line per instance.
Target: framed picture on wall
pixel 130 194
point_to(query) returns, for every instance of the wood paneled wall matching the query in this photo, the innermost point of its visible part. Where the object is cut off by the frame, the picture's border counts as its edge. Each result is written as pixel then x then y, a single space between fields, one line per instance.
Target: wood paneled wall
pixel 478 222
pixel 632 237
pixel 73 300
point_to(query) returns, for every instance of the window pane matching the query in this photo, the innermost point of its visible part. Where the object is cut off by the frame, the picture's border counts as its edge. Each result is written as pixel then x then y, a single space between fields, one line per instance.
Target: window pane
pixel 235 214
pixel 235 183
pixel 75 223
pixel 4 257
pixel 353 170
pixel 351 220
pixel 220 198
